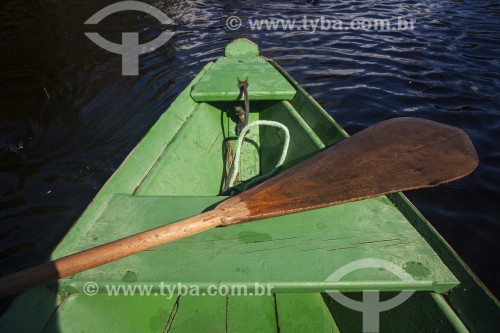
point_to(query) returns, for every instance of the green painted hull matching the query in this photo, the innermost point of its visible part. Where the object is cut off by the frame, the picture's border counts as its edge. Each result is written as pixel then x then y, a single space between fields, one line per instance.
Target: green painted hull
pixel 178 170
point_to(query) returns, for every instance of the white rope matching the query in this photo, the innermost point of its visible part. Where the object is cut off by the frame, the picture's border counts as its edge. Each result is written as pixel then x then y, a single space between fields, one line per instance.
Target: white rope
pixel 241 139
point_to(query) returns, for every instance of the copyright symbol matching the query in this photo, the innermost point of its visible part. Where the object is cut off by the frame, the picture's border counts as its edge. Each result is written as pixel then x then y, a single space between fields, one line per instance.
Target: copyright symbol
pixel 90 288
pixel 233 22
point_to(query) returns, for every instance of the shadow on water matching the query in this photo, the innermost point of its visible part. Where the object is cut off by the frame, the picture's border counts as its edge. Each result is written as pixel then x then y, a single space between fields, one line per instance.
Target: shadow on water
pixel 68 118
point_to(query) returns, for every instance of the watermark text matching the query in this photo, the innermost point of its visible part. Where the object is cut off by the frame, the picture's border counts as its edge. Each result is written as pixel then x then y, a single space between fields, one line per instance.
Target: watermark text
pixel 322 23
pixel 179 289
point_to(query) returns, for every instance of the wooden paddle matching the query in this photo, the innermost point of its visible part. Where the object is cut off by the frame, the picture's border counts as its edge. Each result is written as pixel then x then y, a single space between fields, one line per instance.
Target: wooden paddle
pixel 392 156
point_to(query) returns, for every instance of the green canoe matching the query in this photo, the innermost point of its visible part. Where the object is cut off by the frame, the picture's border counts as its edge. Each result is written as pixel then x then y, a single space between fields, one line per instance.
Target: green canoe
pixel 274 275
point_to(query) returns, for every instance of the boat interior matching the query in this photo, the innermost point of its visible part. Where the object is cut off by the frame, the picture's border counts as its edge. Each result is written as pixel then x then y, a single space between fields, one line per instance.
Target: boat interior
pixel 181 168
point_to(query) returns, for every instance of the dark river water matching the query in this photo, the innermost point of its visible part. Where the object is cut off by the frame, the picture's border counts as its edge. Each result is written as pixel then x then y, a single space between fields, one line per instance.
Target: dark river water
pixel 68 117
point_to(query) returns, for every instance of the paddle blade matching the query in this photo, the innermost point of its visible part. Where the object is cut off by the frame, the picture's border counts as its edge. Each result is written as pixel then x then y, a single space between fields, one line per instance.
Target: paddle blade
pixel 395 155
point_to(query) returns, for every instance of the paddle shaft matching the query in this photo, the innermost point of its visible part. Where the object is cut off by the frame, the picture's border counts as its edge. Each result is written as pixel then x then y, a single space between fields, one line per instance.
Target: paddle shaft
pixel 97 256
pixel 392 156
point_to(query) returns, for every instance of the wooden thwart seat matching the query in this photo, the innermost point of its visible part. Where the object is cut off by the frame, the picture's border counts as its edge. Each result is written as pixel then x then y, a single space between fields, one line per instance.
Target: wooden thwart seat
pixel 294 254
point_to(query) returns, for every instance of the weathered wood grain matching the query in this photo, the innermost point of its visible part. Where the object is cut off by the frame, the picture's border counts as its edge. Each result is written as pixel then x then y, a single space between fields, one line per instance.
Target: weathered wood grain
pixel 392 156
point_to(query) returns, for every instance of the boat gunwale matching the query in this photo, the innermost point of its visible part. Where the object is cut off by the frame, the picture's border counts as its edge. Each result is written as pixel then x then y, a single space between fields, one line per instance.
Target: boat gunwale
pixel 445 252
pixel 451 259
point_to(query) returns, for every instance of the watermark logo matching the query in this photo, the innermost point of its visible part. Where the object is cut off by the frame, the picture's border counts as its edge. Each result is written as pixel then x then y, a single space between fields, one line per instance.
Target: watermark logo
pixel 90 288
pixel 234 22
pixel 130 49
pixel 370 306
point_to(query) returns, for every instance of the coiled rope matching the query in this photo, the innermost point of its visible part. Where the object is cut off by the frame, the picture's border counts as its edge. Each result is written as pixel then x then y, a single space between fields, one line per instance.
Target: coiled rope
pixel 241 139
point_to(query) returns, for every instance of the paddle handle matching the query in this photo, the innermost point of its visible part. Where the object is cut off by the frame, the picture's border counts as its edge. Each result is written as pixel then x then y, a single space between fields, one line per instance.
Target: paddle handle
pixel 97 256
